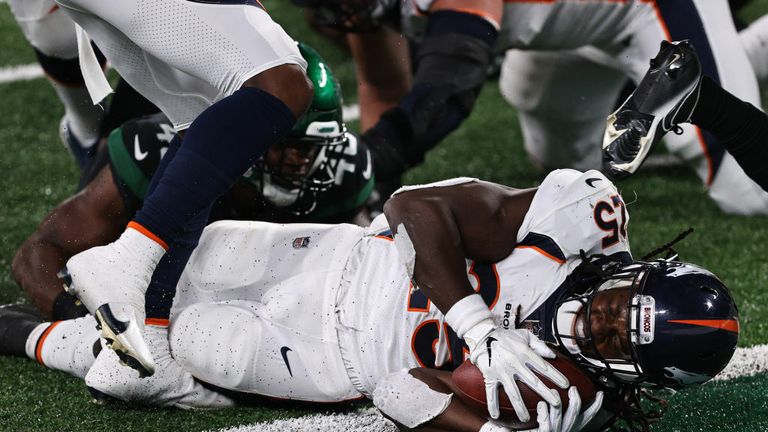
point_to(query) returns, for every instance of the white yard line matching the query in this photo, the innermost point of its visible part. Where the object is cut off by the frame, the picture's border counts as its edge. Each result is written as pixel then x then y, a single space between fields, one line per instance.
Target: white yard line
pixel 20 73
pixel 746 361
pixel 33 71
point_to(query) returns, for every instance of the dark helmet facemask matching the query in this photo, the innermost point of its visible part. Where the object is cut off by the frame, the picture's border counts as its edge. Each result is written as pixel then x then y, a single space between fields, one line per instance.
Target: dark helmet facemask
pixel 682 325
pixel 319 136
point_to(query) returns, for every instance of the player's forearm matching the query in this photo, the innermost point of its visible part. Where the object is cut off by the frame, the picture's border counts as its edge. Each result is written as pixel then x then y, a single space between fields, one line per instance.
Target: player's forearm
pixel 35 269
pixel 429 244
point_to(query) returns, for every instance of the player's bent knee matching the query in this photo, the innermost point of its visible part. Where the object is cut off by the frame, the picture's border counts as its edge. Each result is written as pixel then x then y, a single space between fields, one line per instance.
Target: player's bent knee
pixel 287 82
pixel 407 400
pixel 216 343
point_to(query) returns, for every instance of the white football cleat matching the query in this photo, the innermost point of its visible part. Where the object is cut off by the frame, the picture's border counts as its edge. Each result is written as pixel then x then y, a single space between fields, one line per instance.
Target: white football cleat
pixel 665 97
pixel 111 282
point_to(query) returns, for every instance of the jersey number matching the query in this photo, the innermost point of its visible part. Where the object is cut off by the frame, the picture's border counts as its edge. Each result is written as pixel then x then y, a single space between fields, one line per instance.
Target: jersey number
pixel 607 219
pixel 427 335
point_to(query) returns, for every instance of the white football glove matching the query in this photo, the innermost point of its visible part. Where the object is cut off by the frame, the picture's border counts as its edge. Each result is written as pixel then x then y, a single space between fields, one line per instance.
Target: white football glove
pixel 505 355
pixel 550 418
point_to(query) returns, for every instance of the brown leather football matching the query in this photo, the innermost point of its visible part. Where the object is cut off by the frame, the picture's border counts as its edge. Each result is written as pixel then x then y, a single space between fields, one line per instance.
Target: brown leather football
pixel 469 381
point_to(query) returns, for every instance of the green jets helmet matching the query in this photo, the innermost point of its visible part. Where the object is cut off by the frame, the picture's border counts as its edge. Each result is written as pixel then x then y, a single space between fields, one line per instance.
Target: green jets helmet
pixel 303 164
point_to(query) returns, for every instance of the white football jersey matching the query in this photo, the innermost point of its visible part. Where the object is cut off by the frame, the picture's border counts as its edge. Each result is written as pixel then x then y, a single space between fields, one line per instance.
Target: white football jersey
pixel 385 324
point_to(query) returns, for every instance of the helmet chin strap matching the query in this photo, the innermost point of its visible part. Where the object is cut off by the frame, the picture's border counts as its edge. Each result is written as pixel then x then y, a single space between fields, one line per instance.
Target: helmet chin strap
pixel 276 194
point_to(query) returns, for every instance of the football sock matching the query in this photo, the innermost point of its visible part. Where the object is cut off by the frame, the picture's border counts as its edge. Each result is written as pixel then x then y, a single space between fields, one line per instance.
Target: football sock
pixel 220 145
pixel 740 127
pixel 83 118
pixel 67 346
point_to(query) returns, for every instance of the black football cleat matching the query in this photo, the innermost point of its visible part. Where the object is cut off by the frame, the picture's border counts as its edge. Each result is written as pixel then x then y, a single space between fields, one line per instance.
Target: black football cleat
pixel 16 323
pixel 665 97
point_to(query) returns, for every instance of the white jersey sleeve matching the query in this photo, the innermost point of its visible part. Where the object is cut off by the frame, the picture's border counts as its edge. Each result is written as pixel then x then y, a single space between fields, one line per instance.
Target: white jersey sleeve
pixel 574 211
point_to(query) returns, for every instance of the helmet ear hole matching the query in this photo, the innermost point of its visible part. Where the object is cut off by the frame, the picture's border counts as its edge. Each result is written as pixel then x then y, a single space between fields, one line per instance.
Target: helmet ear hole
pixel 709 290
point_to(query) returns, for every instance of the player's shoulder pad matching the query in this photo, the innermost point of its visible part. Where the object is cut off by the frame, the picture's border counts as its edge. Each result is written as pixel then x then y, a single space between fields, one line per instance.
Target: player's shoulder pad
pixel 442 183
pixel 567 185
pixel 578 210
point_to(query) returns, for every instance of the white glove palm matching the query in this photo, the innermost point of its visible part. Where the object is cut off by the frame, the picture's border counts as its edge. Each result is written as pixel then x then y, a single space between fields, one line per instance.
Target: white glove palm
pixel 505 355
pixel 550 418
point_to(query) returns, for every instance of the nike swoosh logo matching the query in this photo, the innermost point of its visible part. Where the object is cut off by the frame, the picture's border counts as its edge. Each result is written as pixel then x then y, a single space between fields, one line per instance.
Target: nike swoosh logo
pixel 284 352
pixel 369 168
pixel 675 57
pixel 591 181
pixel 137 153
pixel 488 343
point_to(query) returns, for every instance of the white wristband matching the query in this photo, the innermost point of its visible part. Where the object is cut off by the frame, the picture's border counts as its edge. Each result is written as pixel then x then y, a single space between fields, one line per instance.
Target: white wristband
pixel 466 313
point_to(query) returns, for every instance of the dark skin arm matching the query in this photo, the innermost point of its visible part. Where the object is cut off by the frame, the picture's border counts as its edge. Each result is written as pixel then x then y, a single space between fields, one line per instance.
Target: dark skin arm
pixel 476 220
pixel 93 217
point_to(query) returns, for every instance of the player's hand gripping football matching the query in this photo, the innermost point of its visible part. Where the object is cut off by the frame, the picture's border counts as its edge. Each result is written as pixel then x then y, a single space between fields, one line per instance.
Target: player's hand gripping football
pixel 505 355
pixel 551 418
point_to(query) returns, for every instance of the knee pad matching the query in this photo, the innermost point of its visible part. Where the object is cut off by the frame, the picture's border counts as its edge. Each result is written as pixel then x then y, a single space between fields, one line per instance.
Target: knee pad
pixel 407 400
pixel 214 342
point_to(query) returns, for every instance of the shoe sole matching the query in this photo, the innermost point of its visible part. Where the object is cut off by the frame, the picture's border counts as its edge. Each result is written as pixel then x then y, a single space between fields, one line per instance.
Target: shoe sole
pixel 124 338
pixel 624 170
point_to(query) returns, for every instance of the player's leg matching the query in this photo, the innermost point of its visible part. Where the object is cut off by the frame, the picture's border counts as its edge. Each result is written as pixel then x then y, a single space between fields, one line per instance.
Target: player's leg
pixel 52 35
pixel 245 101
pixel 738 125
pixel 240 346
pixel 68 346
pixel 709 26
pixel 562 99
pixel 755 41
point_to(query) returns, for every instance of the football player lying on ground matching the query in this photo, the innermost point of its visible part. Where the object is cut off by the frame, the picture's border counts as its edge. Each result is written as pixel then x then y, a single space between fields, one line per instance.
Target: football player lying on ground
pixel 566 63
pixel 318 173
pixel 331 313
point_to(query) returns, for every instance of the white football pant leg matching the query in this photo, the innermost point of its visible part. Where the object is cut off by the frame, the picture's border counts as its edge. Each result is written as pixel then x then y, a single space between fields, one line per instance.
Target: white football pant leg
pixel 562 101
pixel 183 55
pixel 755 41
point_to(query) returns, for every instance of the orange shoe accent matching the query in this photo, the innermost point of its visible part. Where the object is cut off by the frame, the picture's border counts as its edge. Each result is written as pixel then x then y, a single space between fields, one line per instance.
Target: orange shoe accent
pixel 158 322
pixel 730 325
pixel 41 341
pixel 147 233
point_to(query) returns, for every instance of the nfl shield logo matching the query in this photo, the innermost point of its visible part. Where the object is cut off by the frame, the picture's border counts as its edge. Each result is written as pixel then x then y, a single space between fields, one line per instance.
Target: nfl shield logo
pixel 300 242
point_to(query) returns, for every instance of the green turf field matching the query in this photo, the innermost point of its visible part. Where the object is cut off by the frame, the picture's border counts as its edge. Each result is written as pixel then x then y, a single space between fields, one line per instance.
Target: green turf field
pixel 37 173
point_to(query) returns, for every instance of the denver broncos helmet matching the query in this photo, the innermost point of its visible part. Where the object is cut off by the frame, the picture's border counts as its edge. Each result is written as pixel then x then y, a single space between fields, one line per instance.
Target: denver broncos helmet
pixel 298 167
pixel 681 325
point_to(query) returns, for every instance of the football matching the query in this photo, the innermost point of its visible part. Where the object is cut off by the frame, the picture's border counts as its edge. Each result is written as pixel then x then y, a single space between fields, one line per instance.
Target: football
pixel 471 389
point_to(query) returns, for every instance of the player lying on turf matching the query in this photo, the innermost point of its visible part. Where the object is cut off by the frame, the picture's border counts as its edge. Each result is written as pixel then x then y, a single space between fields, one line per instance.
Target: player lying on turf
pixel 319 173
pixel 453 270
